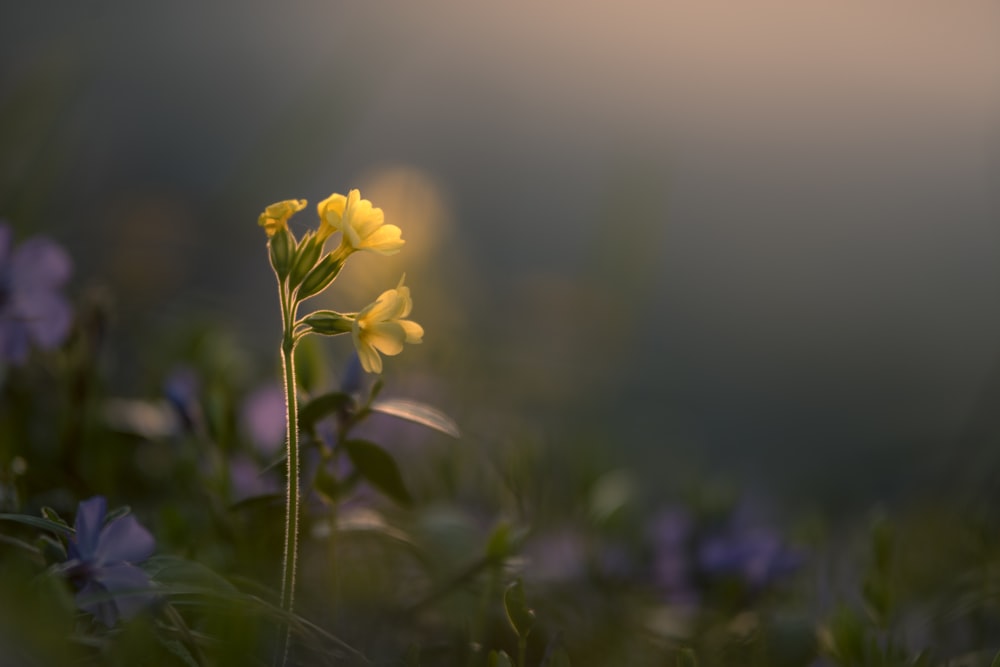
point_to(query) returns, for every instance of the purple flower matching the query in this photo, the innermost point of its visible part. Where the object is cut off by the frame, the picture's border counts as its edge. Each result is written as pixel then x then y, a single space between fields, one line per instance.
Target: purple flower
pixel 672 533
pixel 182 389
pixel 758 556
pixel 559 556
pixel 246 479
pixel 264 415
pixel 32 309
pixel 102 558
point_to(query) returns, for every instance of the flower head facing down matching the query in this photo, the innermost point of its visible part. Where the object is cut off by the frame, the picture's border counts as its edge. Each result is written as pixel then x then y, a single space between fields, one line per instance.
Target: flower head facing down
pixel 362 225
pixel 275 217
pixel 381 327
pixel 32 307
pixel 102 562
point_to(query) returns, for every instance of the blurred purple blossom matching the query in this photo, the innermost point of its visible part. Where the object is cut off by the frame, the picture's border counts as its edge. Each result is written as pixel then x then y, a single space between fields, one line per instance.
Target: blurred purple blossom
pixel 102 562
pixel 263 416
pixel 32 308
pixel 758 556
pixel 247 480
pixel 688 556
pixel 671 533
pixel 182 389
pixel 353 379
pixel 557 556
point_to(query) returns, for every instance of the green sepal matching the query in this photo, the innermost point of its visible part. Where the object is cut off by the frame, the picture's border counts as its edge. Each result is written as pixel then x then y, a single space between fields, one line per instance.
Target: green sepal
pixel 328 323
pixel 281 249
pixel 306 257
pixel 324 273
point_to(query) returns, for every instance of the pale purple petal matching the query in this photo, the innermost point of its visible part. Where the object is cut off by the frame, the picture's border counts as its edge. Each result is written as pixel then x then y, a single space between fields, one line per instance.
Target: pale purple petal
pixel 353 376
pixel 670 528
pixel 130 586
pixel 93 598
pixel 14 341
pixel 39 263
pixel 124 539
pixel 89 522
pixel 47 316
pixel 247 480
pixel 264 414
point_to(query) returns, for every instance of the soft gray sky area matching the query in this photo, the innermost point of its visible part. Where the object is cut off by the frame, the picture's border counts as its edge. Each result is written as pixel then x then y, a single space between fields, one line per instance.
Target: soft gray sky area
pixel 762 237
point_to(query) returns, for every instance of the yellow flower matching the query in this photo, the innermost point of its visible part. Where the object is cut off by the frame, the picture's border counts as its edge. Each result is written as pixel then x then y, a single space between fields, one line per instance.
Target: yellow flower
pixel 362 226
pixel 276 215
pixel 380 327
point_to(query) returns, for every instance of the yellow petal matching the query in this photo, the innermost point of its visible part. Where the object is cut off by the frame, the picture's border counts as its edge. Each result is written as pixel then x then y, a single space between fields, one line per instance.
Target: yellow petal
pixel 387 307
pixel 414 332
pixel 331 211
pixel 370 361
pixel 276 215
pixel 386 337
pixel 384 240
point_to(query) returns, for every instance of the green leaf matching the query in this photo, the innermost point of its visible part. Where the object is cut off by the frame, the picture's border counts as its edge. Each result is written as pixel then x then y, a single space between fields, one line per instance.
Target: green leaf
pixel 418 413
pixel 499 543
pixel 179 651
pixel 53 515
pixel 500 659
pixel 52 549
pixel 329 486
pixel 520 617
pixel 171 572
pixel 996 661
pixel 504 541
pixel 321 407
pixel 378 467
pixel 39 522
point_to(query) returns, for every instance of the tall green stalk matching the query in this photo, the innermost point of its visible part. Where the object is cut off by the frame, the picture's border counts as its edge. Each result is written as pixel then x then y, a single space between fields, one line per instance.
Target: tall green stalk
pixel 292 496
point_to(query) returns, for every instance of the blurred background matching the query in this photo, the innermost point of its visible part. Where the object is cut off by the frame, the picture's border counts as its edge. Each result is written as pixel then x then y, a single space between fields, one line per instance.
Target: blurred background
pixel 757 242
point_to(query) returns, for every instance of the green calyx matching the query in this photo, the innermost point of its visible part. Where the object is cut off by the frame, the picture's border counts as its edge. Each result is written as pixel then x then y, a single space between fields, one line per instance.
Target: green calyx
pixel 322 274
pixel 328 323
pixel 281 249
pixel 306 257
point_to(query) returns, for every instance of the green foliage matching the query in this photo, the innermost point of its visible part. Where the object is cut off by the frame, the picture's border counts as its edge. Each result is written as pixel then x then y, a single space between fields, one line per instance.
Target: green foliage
pixel 378 467
pixel 519 615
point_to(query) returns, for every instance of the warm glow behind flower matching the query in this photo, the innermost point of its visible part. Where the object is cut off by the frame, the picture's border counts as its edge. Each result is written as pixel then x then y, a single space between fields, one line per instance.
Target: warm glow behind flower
pixel 381 327
pixel 362 225
pixel 275 217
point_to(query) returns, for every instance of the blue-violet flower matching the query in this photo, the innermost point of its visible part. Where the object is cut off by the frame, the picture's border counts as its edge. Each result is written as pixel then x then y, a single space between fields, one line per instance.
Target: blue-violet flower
pixel 102 562
pixel 32 308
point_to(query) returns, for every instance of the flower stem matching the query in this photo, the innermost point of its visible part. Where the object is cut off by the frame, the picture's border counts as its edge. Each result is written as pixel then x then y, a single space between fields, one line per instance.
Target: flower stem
pixel 290 560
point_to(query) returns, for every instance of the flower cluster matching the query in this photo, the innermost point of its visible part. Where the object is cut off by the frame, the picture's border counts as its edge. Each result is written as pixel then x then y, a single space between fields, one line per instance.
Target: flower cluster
pixel 690 558
pixel 304 269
